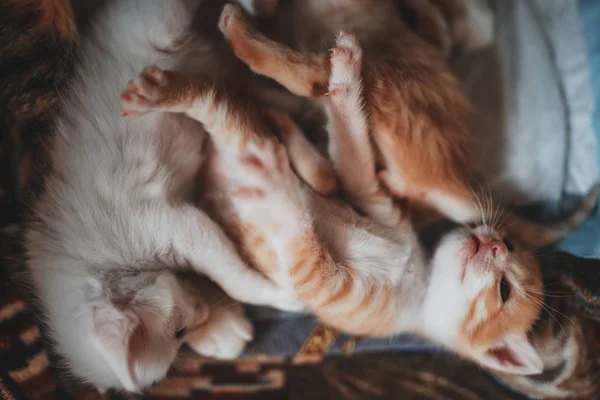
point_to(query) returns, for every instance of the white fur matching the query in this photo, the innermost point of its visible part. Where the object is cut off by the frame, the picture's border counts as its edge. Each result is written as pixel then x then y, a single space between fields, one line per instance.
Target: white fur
pixel 107 205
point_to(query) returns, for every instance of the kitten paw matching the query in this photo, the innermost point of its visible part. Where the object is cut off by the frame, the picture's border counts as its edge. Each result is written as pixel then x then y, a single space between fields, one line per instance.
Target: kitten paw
pixel 224 335
pixel 232 20
pixel 144 93
pixel 346 64
pixel 266 170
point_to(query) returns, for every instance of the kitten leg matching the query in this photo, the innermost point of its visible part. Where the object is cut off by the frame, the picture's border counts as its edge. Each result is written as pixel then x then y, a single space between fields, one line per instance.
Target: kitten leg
pixel 236 133
pixel 185 235
pixel 235 128
pixel 350 147
pixel 219 327
pixel 302 74
pixel 308 163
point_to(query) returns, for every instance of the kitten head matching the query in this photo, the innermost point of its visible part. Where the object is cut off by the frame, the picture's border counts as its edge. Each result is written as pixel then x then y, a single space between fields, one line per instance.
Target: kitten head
pixel 484 296
pixel 138 338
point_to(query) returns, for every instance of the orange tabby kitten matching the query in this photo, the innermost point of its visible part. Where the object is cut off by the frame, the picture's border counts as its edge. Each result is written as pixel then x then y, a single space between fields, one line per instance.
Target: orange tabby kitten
pixel 475 293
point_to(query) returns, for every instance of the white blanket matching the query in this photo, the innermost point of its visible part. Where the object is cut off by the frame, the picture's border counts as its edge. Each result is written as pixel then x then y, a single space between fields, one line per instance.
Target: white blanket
pixel 534 102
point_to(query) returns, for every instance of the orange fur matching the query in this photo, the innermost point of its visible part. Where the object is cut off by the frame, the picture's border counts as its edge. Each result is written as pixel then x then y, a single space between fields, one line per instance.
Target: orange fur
pixel 419 116
pixel 236 128
pixel 311 166
pixel 516 316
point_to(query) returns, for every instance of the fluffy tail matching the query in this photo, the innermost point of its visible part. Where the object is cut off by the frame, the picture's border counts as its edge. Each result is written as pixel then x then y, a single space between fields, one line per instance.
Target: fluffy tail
pixel 534 235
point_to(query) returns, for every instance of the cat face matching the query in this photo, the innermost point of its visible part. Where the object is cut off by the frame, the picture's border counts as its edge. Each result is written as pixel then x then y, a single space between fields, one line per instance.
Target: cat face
pixel 484 295
pixel 139 340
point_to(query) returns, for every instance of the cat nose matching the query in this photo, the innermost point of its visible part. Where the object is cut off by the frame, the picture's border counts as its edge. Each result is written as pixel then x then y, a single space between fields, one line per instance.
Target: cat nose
pixel 496 247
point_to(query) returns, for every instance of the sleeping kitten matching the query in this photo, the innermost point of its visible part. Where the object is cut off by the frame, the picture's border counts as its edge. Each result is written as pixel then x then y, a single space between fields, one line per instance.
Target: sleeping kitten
pixel 115 218
pixel 477 293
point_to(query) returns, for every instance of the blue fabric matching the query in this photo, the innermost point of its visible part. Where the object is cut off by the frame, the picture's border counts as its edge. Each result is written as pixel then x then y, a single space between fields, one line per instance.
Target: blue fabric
pixel 585 241
pixel 283 335
pixel 589 11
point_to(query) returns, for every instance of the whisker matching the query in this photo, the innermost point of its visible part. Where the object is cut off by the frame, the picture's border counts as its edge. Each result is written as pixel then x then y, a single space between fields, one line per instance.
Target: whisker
pixel 490 201
pixel 556 319
pixel 479 206
pixel 546 306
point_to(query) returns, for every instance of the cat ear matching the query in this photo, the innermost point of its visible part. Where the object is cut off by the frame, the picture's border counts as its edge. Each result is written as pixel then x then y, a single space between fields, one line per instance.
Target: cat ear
pixel 514 355
pixel 113 331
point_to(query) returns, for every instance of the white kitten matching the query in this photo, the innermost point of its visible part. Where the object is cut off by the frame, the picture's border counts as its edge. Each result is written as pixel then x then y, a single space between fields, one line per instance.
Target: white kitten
pixel 113 220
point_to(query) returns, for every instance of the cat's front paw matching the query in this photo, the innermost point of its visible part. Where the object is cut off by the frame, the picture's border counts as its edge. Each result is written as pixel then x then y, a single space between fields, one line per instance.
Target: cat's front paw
pixel 265 172
pixel 224 335
pixel 145 93
pixel 346 64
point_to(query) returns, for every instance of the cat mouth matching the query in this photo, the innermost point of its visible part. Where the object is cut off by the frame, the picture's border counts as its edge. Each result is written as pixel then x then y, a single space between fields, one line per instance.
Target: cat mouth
pixel 469 251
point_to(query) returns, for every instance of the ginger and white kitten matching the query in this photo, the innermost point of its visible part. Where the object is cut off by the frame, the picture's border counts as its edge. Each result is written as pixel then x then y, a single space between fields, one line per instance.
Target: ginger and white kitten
pixel 116 218
pixel 476 293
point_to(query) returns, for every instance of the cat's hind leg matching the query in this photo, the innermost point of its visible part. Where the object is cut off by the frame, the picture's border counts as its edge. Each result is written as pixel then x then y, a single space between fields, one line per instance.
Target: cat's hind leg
pixel 237 129
pixel 301 73
pixel 309 164
pixel 184 235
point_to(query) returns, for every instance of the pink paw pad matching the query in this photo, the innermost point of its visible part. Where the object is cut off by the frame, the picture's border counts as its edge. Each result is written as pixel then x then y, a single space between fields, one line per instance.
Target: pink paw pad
pixel 144 92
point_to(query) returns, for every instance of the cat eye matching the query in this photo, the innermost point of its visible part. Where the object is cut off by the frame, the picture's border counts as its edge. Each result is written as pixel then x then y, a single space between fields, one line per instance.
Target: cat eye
pixel 509 245
pixel 504 290
pixel 180 333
